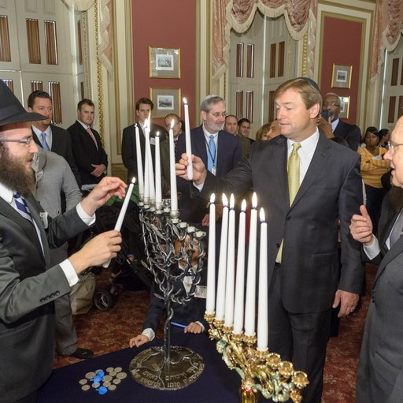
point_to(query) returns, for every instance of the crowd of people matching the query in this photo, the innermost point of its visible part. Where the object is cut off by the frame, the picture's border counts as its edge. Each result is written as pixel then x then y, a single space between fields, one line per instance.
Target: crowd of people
pixel 329 201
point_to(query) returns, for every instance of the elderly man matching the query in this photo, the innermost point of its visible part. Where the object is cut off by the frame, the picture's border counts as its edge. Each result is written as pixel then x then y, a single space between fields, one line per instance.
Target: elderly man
pixel 29 284
pixel 380 371
pixel 304 202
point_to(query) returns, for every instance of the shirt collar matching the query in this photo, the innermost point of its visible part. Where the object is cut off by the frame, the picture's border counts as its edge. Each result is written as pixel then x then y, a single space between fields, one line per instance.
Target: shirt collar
pixel 335 123
pixel 86 127
pixel 6 193
pixel 38 132
pixel 307 145
pixel 208 134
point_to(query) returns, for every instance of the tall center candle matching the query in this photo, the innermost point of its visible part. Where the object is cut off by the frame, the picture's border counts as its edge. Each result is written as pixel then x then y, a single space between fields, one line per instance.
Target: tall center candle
pixel 262 318
pixel 222 263
pixel 251 274
pixel 229 289
pixel 140 177
pixel 188 140
pixel 150 168
pixel 158 192
pixel 210 299
pixel 240 273
pixel 172 175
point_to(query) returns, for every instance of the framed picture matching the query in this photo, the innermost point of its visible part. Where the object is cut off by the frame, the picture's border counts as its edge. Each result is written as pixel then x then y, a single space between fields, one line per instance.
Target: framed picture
pixel 344 107
pixel 165 100
pixel 164 63
pixel 341 76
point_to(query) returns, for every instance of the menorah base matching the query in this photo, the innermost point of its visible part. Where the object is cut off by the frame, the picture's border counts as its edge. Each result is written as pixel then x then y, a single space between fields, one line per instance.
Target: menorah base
pixel 149 368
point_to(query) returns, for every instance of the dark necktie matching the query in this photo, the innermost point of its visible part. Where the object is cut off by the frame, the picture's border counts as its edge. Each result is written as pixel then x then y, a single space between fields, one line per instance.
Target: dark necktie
pixel 22 207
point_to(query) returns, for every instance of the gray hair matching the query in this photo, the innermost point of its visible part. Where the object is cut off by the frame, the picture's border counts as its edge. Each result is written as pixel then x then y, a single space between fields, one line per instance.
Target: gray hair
pixel 209 101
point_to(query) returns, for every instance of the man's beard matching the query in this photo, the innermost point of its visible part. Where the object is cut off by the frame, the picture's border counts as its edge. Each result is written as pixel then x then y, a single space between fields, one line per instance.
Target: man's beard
pixel 13 174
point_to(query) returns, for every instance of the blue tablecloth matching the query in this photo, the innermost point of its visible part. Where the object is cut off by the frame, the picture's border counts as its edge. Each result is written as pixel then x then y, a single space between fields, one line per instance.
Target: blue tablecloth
pixel 216 384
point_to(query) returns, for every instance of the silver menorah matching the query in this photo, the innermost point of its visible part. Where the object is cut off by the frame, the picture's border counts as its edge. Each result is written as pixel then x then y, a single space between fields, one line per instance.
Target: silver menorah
pixel 174 251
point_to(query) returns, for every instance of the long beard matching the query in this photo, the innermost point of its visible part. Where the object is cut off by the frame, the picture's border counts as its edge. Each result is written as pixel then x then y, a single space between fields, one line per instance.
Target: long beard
pixel 14 175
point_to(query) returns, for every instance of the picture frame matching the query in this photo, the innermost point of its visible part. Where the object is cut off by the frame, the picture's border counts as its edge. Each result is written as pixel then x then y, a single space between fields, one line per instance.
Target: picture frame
pixel 344 107
pixel 341 76
pixel 165 100
pixel 164 63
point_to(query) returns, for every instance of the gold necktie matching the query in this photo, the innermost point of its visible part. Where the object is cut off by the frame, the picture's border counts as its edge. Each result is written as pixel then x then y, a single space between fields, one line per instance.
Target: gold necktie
pixel 293 184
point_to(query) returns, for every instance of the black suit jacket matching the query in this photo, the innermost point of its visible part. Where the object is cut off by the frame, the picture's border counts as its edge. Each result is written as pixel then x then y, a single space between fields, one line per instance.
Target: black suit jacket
pixel 86 153
pixel 28 288
pixel 331 190
pixel 350 133
pixel 129 155
pixel 229 153
pixel 61 144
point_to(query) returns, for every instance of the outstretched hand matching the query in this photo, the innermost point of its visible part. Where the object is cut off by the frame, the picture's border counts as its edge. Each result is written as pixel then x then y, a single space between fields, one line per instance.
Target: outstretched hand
pixel 361 226
pixel 138 340
pixel 199 170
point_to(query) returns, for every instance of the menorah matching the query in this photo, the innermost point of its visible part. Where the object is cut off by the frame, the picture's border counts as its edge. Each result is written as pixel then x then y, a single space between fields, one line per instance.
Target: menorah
pixel 172 246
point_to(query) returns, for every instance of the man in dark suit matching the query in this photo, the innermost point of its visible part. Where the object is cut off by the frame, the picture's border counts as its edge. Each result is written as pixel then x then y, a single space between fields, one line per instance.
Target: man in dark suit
pixel 29 285
pixel 47 135
pixel 144 106
pixel 344 130
pixel 89 154
pixel 380 370
pixel 304 202
pixel 219 151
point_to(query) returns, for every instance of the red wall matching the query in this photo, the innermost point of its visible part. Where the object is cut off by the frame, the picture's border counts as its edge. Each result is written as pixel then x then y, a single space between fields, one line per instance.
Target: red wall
pixel 165 24
pixel 341 45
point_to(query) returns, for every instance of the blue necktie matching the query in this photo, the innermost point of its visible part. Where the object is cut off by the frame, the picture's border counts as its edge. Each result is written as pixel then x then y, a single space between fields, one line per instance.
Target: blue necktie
pixel 45 144
pixel 211 157
pixel 22 206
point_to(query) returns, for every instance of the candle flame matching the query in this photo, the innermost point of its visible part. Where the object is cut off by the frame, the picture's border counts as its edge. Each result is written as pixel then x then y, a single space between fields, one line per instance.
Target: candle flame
pixel 172 123
pixel 232 201
pixel 185 100
pixel 212 198
pixel 224 200
pixel 133 180
pixel 254 200
pixel 243 205
pixel 262 215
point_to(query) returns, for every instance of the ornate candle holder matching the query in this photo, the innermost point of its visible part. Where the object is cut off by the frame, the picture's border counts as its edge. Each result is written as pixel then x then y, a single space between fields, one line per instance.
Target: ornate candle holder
pixel 260 371
pixel 171 245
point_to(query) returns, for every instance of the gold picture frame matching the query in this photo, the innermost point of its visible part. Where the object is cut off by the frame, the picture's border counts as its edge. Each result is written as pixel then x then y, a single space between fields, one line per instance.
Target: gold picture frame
pixel 164 63
pixel 344 107
pixel 341 76
pixel 165 100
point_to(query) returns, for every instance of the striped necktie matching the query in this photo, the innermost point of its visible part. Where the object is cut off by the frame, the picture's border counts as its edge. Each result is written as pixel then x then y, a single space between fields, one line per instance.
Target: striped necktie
pixel 21 205
pixel 44 142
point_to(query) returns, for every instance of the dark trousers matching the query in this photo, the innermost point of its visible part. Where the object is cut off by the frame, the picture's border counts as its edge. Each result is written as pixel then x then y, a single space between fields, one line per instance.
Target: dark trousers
pixel 300 338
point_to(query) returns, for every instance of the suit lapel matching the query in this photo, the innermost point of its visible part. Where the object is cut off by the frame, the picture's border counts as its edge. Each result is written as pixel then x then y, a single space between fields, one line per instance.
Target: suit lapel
pixel 220 160
pixel 200 144
pixel 279 147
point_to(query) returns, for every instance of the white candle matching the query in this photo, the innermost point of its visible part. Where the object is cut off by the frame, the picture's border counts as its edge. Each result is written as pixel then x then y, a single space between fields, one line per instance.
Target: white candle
pixel 262 318
pixel 251 275
pixel 172 175
pixel 210 299
pixel 150 169
pixel 188 141
pixel 240 273
pixel 229 289
pixel 158 192
pixel 140 177
pixel 146 167
pixel 222 263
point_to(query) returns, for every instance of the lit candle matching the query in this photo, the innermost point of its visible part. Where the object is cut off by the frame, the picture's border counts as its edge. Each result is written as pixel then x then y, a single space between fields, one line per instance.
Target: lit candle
pixel 174 192
pixel 222 263
pixel 158 193
pixel 251 275
pixel 210 299
pixel 188 141
pixel 140 177
pixel 229 289
pixel 240 273
pixel 150 168
pixel 262 318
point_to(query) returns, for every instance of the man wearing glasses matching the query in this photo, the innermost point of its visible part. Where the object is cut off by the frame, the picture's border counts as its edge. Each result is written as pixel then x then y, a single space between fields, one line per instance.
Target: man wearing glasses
pixel 380 372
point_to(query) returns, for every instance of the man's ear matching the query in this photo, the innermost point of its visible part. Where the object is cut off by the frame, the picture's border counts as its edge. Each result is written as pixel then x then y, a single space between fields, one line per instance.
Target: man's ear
pixel 203 115
pixel 314 111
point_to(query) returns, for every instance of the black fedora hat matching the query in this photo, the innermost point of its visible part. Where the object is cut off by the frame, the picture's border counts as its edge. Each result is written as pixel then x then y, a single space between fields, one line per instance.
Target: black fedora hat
pixel 11 110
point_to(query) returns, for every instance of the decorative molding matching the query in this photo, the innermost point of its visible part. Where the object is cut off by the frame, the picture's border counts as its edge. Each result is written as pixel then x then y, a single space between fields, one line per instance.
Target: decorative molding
pixel 239 60
pixel 34 47
pixel 395 71
pixel 249 105
pixel 239 104
pixel 36 85
pixel 51 42
pixel 79 43
pixel 9 83
pixel 250 60
pixel 273 49
pixel 392 107
pixel 55 94
pixel 5 52
pixel 281 59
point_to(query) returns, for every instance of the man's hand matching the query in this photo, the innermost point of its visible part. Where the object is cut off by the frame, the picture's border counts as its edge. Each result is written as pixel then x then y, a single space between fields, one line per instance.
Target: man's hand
pixel 361 226
pixel 347 301
pixel 199 170
pixel 193 327
pixel 138 340
pixel 103 191
pixel 98 170
pixel 99 250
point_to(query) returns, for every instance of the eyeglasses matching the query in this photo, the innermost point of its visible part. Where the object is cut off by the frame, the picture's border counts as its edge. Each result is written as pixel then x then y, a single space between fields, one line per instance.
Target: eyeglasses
pixel 27 140
pixel 218 114
pixel 392 146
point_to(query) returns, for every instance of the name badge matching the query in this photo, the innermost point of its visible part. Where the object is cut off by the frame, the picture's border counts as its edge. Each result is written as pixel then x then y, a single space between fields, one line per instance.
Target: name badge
pixel 44 218
pixel 201 291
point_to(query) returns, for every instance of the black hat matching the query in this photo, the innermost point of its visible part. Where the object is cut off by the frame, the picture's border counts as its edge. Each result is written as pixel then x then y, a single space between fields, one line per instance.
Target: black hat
pixel 11 110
